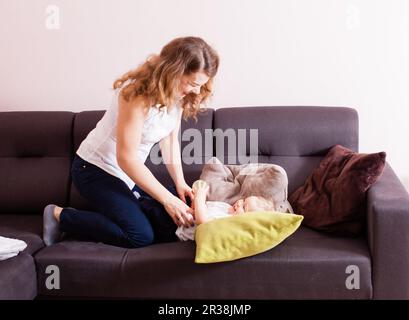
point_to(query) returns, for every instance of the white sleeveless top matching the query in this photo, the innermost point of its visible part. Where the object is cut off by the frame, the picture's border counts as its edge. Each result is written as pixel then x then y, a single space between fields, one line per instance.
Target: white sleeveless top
pixel 99 147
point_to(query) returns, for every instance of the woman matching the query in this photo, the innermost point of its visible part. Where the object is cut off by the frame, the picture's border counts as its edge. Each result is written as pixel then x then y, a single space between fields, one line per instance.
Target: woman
pixel 134 208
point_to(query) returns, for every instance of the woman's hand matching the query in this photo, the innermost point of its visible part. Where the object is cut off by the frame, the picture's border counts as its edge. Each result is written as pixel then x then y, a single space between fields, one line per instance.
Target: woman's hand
pixel 184 190
pixel 179 211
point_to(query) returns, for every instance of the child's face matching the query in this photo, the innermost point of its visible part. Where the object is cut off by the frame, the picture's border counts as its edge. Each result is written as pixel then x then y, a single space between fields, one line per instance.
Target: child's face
pixel 251 203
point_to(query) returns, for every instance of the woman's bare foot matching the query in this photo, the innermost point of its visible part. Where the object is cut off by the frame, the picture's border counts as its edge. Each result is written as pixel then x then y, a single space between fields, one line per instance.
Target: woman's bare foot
pixel 57 213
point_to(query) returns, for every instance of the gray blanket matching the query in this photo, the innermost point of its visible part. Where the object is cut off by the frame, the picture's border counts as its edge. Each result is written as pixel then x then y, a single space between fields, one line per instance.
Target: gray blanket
pixel 228 183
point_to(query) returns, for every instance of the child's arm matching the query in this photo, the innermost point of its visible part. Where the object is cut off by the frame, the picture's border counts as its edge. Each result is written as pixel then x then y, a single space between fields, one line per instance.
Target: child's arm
pixel 200 207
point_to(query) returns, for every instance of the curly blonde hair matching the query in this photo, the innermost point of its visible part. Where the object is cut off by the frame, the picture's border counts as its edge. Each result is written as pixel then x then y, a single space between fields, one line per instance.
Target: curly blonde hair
pixel 157 80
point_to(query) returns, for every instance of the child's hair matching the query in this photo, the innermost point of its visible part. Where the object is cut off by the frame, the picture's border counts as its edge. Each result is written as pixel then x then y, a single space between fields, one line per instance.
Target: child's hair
pixel 267 205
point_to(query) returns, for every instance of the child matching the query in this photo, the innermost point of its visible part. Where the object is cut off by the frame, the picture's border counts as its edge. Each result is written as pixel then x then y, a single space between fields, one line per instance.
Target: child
pixel 208 210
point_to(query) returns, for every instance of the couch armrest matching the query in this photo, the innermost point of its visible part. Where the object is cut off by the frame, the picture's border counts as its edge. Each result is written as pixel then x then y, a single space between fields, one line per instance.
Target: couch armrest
pixel 388 236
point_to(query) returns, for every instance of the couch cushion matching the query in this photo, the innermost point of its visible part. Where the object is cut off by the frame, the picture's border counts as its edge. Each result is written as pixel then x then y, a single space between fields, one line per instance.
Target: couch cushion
pixel 295 138
pixel 308 265
pixel 18 280
pixel 291 131
pixel 35 157
pixel 84 122
pixel 28 228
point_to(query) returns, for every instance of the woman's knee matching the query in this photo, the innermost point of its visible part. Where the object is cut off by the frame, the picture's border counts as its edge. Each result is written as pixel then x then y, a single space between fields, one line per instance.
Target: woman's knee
pixel 141 238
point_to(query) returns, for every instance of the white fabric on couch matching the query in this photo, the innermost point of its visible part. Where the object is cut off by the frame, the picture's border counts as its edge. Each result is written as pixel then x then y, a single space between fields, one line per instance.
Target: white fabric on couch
pixel 10 247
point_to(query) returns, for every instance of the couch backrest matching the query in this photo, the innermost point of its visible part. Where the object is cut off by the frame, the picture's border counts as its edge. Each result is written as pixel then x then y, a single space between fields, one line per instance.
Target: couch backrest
pixel 295 138
pixel 84 122
pixel 36 148
pixel 35 160
pixel 192 160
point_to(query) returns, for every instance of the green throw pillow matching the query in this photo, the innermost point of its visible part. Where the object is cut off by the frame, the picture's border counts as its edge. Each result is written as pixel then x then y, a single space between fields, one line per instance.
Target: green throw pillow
pixel 243 235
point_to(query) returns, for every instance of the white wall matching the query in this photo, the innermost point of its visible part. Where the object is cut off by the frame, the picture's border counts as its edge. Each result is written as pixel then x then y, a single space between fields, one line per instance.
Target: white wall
pixel 274 52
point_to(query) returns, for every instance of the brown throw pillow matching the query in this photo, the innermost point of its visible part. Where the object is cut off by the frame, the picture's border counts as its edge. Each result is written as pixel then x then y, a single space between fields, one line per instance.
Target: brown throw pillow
pixel 333 198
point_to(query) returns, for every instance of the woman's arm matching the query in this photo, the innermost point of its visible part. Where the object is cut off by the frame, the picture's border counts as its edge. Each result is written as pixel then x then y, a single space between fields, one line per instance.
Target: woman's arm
pixel 200 210
pixel 131 116
pixel 170 149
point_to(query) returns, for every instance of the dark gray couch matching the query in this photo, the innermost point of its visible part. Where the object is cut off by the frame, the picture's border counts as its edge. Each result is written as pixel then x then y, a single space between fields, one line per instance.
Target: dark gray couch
pixel 36 150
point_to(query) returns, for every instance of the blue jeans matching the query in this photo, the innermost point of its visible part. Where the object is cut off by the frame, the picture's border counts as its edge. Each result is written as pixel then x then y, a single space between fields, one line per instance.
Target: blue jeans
pixel 122 219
